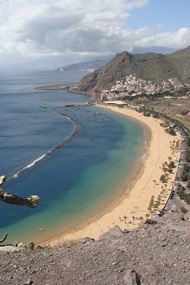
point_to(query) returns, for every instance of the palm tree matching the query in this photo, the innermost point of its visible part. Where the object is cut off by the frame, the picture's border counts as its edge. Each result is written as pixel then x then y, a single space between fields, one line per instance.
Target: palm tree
pixel 156 205
pixel 125 218
pixel 159 198
pixel 151 212
pixel 141 219
pixel 169 158
pixel 177 145
pixel 154 182
pixel 147 215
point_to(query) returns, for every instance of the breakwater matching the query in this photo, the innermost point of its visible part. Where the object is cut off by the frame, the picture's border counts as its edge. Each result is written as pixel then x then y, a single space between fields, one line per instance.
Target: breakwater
pixel 74 132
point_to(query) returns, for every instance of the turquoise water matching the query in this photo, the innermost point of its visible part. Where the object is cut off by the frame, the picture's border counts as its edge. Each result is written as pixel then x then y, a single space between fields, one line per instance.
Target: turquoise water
pixel 80 178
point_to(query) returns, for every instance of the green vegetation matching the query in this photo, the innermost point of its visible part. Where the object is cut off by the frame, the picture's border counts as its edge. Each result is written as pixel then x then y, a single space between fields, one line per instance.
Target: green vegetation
pixel 150 66
pixel 185 173
pixel 183 210
pixel 66 243
pixel 163 178
pixel 151 203
pixel 184 196
pixel 171 131
pixel 188 184
pixel 125 218
pixel 175 145
pixel 187 155
pixel 141 219
pixel 154 204
pixel 156 108
pixel 171 105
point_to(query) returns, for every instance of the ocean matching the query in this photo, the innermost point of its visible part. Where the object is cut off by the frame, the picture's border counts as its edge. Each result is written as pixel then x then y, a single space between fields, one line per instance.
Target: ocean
pixel 77 159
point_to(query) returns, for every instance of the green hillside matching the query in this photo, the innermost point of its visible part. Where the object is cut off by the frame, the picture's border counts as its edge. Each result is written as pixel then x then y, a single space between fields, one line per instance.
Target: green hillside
pixel 149 66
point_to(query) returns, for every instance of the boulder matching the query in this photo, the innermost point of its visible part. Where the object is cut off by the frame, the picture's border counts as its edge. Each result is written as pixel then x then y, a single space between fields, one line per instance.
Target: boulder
pixel 132 278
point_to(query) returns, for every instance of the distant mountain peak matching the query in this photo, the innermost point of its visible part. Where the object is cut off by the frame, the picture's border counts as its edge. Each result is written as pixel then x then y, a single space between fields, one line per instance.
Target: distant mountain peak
pixel 84 66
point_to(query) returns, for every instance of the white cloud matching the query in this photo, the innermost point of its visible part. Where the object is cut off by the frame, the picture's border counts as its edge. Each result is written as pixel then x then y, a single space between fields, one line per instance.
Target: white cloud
pixel 178 39
pixel 30 29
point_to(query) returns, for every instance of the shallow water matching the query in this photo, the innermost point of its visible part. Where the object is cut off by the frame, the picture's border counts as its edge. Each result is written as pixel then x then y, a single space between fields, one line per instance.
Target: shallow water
pixel 75 181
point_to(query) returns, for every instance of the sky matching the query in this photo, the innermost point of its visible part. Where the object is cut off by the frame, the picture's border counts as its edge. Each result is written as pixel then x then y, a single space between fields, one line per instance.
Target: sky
pixel 46 34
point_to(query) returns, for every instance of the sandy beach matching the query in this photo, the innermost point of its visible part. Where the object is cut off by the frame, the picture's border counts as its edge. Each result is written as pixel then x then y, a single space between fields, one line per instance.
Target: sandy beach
pixel 132 209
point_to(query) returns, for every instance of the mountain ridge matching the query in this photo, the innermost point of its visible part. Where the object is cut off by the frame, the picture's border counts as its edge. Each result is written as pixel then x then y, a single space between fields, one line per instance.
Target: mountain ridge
pixel 84 66
pixel 97 63
pixel 155 67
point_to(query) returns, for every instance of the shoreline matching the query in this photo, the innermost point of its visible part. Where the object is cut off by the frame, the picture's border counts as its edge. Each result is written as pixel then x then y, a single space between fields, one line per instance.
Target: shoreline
pixel 126 209
pixel 73 134
pixel 63 86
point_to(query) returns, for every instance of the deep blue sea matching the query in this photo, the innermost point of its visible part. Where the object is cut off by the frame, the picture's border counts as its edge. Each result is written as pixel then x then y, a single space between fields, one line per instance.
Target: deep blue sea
pixel 76 159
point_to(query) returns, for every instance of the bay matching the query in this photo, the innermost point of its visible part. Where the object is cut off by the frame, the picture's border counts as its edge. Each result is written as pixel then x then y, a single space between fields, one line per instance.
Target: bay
pixel 83 172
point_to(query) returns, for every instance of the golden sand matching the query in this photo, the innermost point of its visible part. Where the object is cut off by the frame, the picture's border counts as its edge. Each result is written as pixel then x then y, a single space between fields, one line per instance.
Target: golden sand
pixel 129 212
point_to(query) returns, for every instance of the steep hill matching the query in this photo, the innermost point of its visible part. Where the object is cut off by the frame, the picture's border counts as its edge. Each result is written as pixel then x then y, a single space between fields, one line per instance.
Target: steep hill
pixel 153 254
pixel 181 60
pixel 149 66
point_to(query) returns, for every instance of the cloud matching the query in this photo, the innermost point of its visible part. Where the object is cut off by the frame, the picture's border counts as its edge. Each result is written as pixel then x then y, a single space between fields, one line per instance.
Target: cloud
pixel 178 39
pixel 40 29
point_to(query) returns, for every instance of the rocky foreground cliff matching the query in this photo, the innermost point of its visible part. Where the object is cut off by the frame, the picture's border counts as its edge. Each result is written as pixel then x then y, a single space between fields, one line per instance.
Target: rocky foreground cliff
pixel 153 254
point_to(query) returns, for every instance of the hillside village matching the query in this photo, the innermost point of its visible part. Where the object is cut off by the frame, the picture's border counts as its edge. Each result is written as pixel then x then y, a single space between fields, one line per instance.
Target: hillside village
pixel 131 85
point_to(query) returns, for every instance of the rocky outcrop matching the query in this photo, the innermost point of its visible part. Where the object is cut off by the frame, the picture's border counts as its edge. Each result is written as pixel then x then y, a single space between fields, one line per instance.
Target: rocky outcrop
pixel 19 201
pixel 153 254
pixel 3 238
pixel 131 277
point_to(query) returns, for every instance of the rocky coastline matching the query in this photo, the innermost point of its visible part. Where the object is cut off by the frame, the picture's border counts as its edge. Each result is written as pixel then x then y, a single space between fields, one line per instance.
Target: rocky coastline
pixel 152 254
